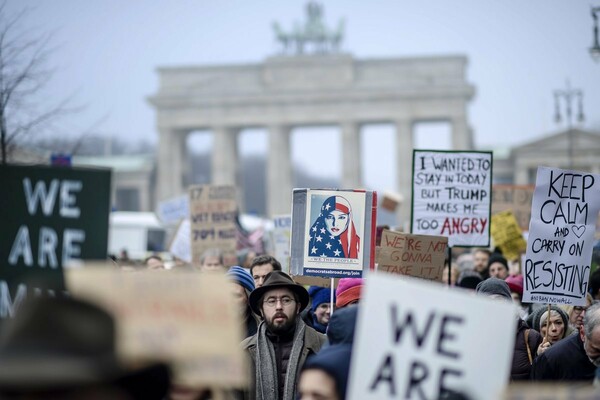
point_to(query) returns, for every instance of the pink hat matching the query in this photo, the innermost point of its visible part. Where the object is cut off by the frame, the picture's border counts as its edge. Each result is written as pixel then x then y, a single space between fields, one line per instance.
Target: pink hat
pixel 348 290
pixel 515 283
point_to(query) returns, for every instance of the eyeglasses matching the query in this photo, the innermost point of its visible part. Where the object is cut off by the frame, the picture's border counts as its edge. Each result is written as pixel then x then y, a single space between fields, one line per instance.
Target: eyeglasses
pixel 285 301
pixel 578 309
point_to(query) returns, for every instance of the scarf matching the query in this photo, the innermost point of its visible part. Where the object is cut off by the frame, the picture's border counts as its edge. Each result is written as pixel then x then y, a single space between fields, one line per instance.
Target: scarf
pixel 266 370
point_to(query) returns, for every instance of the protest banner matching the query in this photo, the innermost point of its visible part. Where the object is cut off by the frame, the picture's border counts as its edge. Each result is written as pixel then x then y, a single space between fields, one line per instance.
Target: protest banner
pixel 516 198
pixel 174 210
pixel 507 235
pixel 451 196
pixel 429 341
pixel 50 217
pixel 282 235
pixel 183 318
pixel 213 213
pixel 419 256
pixel 181 246
pixel 561 235
pixel 333 232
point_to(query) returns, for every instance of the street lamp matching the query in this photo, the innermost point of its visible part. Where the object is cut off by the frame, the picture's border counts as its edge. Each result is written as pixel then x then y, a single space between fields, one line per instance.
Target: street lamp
pixel 569 95
pixel 595 49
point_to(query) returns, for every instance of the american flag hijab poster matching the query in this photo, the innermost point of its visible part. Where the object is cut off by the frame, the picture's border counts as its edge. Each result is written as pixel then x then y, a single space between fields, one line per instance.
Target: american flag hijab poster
pixel 332 232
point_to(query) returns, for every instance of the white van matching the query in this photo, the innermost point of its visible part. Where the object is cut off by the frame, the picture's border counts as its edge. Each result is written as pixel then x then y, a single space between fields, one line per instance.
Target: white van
pixel 140 233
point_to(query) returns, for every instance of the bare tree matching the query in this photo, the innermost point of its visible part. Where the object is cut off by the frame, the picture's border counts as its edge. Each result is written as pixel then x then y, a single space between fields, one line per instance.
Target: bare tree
pixel 23 74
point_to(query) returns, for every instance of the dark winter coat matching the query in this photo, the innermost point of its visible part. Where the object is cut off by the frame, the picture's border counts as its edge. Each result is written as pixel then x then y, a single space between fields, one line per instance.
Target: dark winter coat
pixel 564 361
pixel 313 341
pixel 521 367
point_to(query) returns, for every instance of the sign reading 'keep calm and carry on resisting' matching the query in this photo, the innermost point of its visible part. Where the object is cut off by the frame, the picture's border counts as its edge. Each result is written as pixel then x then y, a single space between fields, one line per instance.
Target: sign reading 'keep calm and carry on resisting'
pixel 561 233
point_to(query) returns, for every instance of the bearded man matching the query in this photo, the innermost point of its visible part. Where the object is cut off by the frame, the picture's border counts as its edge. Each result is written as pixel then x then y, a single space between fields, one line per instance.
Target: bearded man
pixel 283 341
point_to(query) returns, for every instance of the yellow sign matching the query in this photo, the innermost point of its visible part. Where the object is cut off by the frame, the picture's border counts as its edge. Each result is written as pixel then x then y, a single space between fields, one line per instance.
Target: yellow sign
pixel 507 235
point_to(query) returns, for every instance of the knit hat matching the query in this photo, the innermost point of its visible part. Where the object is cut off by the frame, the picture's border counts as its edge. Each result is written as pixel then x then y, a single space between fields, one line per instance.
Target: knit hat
pixel 319 295
pixel 347 291
pixel 242 277
pixel 335 362
pixel 494 286
pixel 468 279
pixel 497 258
pixel 515 283
pixel 537 316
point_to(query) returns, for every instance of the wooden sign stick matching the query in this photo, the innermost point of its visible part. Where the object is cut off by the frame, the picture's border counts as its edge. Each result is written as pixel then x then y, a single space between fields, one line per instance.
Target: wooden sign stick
pixel 547 324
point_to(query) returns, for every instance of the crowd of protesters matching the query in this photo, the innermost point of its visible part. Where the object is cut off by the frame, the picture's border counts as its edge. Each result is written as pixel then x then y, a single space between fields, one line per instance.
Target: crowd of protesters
pixel 298 340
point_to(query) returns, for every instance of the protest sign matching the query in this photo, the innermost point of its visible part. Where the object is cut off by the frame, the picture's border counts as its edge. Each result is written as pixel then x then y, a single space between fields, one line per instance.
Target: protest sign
pixel 184 318
pixel 333 232
pixel 49 218
pixel 282 235
pixel 428 341
pixel 561 235
pixel 174 210
pixel 507 235
pixel 451 196
pixel 213 213
pixel 516 198
pixel 420 256
pixel 181 246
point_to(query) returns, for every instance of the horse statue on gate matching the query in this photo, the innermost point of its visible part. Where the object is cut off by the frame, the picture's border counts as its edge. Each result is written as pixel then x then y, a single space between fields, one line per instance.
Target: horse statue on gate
pixel 313 33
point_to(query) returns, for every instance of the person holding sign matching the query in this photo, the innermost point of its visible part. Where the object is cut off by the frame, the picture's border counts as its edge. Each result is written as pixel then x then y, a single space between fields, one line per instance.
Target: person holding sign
pixel 574 358
pixel 283 341
pixel 553 330
pixel 333 233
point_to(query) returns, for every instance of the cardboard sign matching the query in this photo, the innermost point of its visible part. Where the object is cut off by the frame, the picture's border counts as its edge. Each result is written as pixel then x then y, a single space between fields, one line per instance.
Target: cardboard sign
pixel 420 256
pixel 561 235
pixel 507 235
pixel 282 236
pixel 184 318
pixel 181 246
pixel 516 198
pixel 333 232
pixel 415 341
pixel 49 218
pixel 213 212
pixel 451 196
pixel 174 210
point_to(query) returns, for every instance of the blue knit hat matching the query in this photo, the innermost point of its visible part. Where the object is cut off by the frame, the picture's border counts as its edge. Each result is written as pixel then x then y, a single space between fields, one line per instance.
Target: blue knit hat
pixel 335 361
pixel 319 295
pixel 241 276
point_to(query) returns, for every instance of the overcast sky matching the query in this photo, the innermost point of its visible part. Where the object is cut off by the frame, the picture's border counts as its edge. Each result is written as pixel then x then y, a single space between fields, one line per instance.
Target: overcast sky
pixel 519 52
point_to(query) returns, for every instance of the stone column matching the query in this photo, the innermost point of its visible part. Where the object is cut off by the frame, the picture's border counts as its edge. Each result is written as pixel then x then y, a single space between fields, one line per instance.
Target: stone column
pixel 461 134
pixel 170 159
pixel 225 156
pixel 351 161
pixel 279 173
pixel 404 153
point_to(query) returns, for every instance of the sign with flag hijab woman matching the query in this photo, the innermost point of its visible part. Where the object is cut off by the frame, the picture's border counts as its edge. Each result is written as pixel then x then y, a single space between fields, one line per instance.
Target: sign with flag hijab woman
pixel 332 232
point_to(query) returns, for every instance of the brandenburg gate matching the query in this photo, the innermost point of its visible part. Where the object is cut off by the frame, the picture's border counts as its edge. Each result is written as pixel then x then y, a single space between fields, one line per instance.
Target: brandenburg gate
pixel 321 88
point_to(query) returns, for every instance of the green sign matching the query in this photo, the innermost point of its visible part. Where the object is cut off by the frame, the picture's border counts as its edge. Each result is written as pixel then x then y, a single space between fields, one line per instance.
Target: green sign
pixel 49 217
